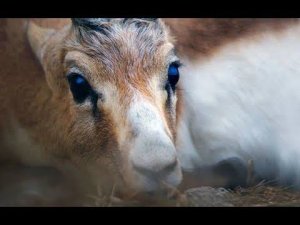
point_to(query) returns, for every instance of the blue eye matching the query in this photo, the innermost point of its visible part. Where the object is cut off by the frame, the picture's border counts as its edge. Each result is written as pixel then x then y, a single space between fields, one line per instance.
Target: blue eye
pixel 79 87
pixel 173 74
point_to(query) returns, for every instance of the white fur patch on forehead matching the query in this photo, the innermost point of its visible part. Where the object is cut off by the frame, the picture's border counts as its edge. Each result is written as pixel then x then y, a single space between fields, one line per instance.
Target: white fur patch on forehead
pixel 120 42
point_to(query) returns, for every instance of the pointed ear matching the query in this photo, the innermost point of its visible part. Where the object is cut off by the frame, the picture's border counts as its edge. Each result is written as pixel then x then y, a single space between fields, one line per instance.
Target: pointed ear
pixel 37 37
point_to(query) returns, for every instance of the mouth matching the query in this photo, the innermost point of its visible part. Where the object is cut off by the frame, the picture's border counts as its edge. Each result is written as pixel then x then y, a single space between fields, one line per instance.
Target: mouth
pixel 138 189
pixel 165 195
pixel 151 183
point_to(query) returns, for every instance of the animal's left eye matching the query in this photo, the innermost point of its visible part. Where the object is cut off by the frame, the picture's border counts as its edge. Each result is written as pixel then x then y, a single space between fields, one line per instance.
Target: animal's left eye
pixel 173 74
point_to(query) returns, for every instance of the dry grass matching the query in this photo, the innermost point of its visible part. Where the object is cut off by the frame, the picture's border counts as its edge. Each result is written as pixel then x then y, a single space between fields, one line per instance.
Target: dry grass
pixel 267 196
pixel 30 187
pixel 260 195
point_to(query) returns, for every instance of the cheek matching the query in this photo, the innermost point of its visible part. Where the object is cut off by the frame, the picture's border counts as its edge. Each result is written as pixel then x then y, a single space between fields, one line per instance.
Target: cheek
pixel 91 137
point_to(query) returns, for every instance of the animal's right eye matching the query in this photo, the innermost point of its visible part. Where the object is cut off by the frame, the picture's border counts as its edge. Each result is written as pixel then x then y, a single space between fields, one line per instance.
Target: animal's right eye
pixel 79 87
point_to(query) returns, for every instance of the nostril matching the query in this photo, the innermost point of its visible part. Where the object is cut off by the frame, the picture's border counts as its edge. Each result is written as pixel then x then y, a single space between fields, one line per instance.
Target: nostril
pixel 143 170
pixel 169 168
pixel 155 171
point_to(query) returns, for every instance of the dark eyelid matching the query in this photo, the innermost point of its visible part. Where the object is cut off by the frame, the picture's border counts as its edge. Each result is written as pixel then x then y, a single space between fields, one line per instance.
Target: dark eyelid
pixel 177 63
pixel 71 74
pixel 74 74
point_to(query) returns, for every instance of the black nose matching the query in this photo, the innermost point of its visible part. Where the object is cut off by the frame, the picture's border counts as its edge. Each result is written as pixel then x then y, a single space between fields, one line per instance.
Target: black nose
pixel 156 172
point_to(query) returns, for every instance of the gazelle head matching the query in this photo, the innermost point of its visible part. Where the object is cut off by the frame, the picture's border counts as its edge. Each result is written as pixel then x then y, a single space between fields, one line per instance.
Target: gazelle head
pixel 115 79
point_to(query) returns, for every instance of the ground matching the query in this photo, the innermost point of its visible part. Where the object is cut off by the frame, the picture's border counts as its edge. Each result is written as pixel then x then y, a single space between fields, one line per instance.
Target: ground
pixel 26 186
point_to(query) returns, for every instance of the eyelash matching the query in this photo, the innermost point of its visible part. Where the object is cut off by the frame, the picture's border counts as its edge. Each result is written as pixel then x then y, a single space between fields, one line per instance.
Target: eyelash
pixel 178 63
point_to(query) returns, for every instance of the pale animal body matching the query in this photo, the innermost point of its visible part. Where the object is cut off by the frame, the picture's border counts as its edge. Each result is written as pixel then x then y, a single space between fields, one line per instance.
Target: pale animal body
pixel 238 97
pixel 243 102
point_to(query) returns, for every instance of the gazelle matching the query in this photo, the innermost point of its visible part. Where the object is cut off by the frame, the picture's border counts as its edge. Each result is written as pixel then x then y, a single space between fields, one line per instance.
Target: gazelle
pixel 102 99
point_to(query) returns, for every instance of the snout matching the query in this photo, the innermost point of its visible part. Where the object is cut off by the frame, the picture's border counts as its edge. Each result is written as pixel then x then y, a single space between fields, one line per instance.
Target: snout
pixel 155 163
pixel 153 157
pixel 160 171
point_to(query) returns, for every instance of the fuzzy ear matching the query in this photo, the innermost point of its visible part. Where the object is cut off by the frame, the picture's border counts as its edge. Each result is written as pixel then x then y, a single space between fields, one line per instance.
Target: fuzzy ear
pixel 37 37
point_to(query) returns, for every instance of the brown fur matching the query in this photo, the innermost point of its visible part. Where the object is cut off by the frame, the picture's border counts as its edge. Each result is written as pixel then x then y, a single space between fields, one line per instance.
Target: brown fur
pixel 38 97
pixel 196 38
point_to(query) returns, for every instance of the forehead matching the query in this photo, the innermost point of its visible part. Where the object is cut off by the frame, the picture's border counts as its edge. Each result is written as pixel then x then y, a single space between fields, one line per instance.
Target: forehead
pixel 122 47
